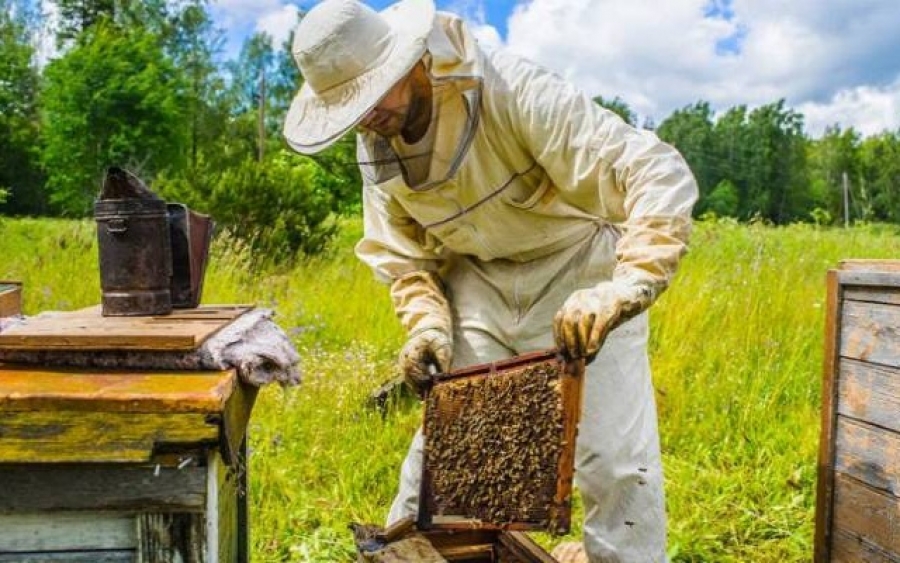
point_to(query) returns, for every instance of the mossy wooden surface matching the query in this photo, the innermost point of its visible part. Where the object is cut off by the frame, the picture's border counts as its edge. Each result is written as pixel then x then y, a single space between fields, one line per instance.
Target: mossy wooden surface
pixel 75 416
pixel 30 388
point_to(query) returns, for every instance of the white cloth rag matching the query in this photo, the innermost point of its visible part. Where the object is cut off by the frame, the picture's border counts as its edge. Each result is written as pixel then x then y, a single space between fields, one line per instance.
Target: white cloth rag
pixel 252 344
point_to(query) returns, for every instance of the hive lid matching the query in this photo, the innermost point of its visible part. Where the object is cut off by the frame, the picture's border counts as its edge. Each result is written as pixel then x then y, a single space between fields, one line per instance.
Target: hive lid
pixel 88 329
pixel 500 445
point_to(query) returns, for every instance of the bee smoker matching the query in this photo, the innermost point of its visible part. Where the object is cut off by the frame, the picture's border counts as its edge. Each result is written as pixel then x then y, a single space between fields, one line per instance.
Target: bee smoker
pixel 152 253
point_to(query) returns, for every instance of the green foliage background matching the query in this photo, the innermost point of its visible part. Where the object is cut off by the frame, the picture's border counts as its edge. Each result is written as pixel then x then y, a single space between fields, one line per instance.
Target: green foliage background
pixel 736 348
pixel 144 85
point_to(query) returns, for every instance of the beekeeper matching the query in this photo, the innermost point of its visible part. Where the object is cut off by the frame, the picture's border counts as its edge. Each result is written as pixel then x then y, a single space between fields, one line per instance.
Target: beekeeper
pixel 509 213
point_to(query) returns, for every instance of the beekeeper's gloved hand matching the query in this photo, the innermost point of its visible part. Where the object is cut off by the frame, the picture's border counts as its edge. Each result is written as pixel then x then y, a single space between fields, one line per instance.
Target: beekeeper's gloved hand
pixel 430 347
pixel 588 315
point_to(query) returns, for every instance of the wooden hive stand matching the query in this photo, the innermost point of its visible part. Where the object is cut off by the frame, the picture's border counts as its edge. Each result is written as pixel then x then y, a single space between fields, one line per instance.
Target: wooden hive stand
pixel 858 495
pixel 101 465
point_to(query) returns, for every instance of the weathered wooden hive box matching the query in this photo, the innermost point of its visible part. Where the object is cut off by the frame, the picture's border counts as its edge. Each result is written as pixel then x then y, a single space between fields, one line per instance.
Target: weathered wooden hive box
pixel 858 496
pixel 107 465
pixel 10 298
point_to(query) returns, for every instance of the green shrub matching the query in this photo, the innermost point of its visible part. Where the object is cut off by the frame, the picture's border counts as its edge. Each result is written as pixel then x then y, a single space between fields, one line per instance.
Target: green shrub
pixel 279 207
pixel 724 200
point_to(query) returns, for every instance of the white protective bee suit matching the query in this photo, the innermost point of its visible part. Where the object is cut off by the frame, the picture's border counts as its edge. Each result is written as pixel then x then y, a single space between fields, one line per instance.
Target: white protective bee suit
pixel 533 192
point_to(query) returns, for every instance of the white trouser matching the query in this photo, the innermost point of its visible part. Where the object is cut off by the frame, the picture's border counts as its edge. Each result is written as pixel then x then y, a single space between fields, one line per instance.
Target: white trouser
pixel 503 309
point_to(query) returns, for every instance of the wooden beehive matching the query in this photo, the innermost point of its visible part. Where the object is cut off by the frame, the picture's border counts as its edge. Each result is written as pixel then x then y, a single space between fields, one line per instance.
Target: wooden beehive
pixel 487 546
pixel 107 465
pixel 499 445
pixel 402 543
pixel 858 495
pixel 10 298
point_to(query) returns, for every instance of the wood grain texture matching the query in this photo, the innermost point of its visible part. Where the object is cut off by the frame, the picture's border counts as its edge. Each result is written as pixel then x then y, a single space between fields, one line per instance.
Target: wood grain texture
pixel 887 295
pixel 62 531
pixel 868 454
pixel 869 265
pixel 102 556
pixel 87 329
pixel 33 388
pixel 171 537
pixel 857 505
pixel 10 298
pixel 871 332
pixel 224 481
pixel 32 488
pixel 525 548
pixel 235 419
pixel 869 393
pixel 825 481
pixel 848 548
pixel 862 511
pixel 99 437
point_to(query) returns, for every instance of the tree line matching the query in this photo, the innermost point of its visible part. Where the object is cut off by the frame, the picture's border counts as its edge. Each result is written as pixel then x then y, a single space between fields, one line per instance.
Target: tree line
pixel 144 84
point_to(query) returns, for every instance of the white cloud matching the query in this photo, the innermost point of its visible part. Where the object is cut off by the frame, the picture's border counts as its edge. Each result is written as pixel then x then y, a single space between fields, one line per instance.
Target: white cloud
pixel 278 23
pixel 870 110
pixel 240 18
pixel 825 57
pixel 234 12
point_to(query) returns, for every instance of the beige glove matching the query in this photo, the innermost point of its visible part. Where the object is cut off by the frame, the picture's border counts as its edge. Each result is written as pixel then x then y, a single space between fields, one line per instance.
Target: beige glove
pixel 588 315
pixel 423 310
pixel 425 354
pixel 647 256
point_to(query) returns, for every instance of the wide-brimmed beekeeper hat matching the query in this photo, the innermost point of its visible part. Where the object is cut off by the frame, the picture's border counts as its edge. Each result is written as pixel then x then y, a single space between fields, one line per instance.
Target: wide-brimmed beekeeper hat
pixel 350 56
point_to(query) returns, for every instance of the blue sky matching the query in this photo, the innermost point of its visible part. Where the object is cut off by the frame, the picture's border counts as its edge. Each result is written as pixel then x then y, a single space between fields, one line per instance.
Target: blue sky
pixel 835 61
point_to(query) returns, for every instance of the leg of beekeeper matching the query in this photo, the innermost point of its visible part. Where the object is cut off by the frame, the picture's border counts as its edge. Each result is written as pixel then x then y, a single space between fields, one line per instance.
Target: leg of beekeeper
pixel 504 308
pixel 618 470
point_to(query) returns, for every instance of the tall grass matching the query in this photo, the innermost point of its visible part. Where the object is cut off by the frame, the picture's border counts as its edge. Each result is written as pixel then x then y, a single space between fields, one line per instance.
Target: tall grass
pixel 736 347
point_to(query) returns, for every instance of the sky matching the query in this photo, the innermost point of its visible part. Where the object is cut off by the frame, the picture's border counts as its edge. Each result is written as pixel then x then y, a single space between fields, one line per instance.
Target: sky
pixel 835 61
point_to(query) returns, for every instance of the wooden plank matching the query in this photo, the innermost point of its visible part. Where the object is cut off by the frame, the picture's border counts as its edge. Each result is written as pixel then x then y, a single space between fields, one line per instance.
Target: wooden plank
pixel 170 537
pixel 870 279
pixel 243 505
pixel 525 548
pixel 87 329
pixel 861 511
pixel 222 509
pixel 890 296
pixel 871 265
pixel 61 531
pixel 572 382
pixel 869 393
pixel 10 298
pixel 468 553
pixel 411 548
pixel 869 454
pixel 32 488
pixel 35 388
pixel 206 312
pixel 825 481
pixel 871 332
pixel 442 538
pixel 99 437
pixel 235 420
pixel 855 549
pixel 99 556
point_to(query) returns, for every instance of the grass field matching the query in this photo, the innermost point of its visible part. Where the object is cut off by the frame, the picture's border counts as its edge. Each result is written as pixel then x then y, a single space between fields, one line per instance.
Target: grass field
pixel 736 347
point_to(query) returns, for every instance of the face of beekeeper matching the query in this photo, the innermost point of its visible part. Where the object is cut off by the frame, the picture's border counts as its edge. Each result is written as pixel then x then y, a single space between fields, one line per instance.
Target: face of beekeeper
pixel 406 109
